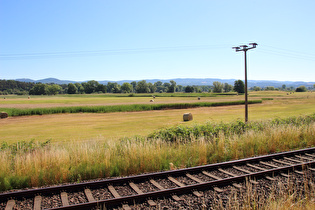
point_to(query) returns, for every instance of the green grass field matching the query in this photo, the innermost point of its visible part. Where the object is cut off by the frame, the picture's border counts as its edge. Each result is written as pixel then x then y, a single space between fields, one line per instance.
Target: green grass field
pixel 86 126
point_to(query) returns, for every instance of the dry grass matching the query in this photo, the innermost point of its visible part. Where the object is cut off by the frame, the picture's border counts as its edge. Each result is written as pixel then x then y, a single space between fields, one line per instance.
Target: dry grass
pixel 75 161
pixel 280 195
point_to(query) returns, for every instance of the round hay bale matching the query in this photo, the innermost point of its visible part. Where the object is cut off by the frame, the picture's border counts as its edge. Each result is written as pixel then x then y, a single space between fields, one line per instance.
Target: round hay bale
pixel 198 98
pixel 153 96
pixel 4 115
pixel 187 117
pixel 151 100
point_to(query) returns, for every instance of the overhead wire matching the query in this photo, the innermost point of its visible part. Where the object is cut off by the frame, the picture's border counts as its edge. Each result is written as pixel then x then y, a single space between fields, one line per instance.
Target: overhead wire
pixel 265 49
pixel 286 53
pixel 107 52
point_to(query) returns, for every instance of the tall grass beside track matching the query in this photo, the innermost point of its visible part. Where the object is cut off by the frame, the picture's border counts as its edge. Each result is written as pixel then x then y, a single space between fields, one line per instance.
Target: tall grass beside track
pixel 33 164
pixel 281 195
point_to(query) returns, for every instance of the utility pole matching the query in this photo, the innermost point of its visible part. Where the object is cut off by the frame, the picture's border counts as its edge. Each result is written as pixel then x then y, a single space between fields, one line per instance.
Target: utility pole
pixel 245 48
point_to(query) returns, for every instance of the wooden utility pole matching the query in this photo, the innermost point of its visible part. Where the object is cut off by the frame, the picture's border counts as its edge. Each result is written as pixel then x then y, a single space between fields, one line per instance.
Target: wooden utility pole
pixel 245 48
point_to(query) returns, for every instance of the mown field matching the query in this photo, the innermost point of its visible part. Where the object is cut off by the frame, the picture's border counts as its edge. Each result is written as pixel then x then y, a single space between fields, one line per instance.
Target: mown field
pixel 46 149
pixel 86 126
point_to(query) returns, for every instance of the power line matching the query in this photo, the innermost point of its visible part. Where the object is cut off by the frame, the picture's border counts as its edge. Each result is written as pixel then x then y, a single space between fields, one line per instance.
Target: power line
pixel 107 52
pixel 290 51
pixel 287 53
pixel 271 50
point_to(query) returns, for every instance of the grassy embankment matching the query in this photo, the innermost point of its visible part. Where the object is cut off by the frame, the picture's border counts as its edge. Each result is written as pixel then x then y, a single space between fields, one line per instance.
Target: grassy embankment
pixel 30 164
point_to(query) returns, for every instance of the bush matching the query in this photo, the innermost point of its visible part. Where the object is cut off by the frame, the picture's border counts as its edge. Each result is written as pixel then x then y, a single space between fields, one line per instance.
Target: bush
pixel 301 89
pixel 214 129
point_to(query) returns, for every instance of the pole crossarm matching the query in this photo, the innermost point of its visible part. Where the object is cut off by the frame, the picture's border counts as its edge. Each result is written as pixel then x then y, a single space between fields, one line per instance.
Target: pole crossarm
pixel 245 47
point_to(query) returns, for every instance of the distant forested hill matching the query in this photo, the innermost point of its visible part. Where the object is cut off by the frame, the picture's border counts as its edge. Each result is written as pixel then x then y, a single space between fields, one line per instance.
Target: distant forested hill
pixel 188 81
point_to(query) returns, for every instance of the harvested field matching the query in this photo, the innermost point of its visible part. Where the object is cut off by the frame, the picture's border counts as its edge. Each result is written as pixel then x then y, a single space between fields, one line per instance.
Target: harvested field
pixel 84 126
pixel 101 100
pixel 108 102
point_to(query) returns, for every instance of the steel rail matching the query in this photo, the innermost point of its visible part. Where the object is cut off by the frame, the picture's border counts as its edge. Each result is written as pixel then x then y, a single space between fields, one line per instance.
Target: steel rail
pixel 182 190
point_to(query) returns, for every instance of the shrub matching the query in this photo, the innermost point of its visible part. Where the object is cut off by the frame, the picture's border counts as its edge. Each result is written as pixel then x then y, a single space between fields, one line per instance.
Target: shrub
pixel 301 89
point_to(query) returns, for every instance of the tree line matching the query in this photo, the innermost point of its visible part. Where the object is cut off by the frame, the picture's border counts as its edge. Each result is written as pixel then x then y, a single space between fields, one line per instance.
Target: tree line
pixel 30 88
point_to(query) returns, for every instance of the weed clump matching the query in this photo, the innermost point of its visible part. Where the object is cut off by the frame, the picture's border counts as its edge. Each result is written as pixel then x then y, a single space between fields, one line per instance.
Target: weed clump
pixel 238 127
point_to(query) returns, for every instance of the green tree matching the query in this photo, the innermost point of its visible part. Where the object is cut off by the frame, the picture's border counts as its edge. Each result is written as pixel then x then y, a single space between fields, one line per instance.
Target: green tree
pixel 227 87
pixel 217 87
pixel 39 89
pixel 197 89
pixel 151 87
pixel 116 88
pixel 159 86
pixel 110 87
pixel 166 85
pixel 283 87
pixel 270 88
pixel 79 87
pixel 126 87
pixel 172 87
pixel 90 86
pixel 15 87
pixel 179 88
pixel 101 88
pixel 257 88
pixel 134 85
pixel 142 87
pixel 239 86
pixel 158 83
pixel 53 89
pixel 72 89
pixel 113 87
pixel 189 89
pixel 301 89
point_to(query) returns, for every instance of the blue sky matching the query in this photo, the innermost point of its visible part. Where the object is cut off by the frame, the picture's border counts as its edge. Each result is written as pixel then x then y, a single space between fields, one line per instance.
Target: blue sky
pixel 156 39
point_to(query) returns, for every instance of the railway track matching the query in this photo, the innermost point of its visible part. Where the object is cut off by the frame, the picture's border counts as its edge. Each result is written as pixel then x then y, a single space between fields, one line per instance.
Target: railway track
pixel 123 192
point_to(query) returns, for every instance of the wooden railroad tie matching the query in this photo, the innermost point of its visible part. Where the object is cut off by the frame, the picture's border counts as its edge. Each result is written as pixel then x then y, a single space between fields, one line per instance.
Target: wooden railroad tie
pixel 285 163
pixel 37 202
pixel 261 169
pixel 10 205
pixel 311 155
pixel 196 193
pixel 116 195
pixel 89 195
pixel 157 185
pixel 213 177
pixel 136 188
pixel 64 199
